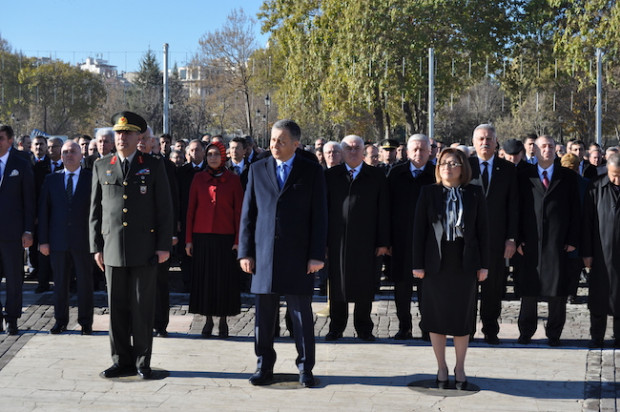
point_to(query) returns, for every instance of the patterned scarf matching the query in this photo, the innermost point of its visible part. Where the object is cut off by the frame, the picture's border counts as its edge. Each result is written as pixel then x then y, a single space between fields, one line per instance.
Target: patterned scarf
pixel 222 167
pixel 453 225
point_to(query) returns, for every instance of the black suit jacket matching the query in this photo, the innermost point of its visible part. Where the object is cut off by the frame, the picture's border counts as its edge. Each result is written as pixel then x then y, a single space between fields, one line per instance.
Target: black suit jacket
pixel 359 223
pixel 243 175
pixel 17 199
pixel 502 198
pixel 41 169
pixel 63 224
pixel 428 229
pixel 404 193
pixel 549 220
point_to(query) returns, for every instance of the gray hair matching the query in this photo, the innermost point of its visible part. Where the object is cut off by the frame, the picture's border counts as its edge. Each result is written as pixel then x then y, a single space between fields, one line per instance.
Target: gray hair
pixel 56 140
pixel 331 143
pixel 353 137
pixel 614 160
pixel 418 137
pixel 104 131
pixel 485 126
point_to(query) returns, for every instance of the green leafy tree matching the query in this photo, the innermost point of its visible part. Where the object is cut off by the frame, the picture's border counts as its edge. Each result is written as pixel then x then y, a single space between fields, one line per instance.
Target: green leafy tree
pixel 62 99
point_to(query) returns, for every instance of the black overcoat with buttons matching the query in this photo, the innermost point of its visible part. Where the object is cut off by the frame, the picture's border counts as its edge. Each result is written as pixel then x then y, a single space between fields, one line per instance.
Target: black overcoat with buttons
pixel 130 216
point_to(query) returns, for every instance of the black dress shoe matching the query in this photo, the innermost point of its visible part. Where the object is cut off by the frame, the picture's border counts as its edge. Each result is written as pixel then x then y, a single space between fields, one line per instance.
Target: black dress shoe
pixel 116 371
pixel 223 332
pixel 161 332
pixel 403 335
pixel 42 289
pixel 491 339
pixel 58 328
pixel 262 377
pixel 207 330
pixel 332 336
pixel 524 340
pixel 442 384
pixel 87 330
pixel 367 337
pixel 145 372
pixel 306 379
pixel 461 385
pixel 554 342
pixel 596 344
pixel 11 328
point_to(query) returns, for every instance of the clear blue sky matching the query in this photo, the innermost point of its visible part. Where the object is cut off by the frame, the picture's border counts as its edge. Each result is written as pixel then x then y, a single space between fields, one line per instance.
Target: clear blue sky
pixel 117 31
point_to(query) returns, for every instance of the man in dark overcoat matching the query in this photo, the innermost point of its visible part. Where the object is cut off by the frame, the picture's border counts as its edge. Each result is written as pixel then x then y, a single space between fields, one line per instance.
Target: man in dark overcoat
pixel 601 250
pixel 282 242
pixel 185 175
pixel 130 233
pixel 549 213
pixel 64 207
pixel 359 229
pixel 17 210
pixel 498 179
pixel 405 181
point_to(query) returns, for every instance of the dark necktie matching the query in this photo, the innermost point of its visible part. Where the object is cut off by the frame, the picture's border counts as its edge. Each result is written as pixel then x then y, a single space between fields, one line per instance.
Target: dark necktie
pixel 237 170
pixel 416 173
pixel 196 169
pixel 69 188
pixel 351 174
pixel 485 176
pixel 125 167
pixel 545 180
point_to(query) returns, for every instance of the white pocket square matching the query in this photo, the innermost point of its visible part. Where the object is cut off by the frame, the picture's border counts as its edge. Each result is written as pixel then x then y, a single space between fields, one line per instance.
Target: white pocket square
pixel 15 172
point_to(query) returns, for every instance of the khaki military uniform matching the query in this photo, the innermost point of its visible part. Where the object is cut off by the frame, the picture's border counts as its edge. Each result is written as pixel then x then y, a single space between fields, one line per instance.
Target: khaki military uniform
pixel 130 219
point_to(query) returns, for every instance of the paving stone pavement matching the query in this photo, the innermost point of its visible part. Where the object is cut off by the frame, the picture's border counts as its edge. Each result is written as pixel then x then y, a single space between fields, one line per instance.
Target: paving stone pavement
pixel 43 372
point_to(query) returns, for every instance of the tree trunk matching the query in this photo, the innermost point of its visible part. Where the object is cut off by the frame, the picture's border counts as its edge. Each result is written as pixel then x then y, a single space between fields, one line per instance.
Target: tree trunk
pixel 378 114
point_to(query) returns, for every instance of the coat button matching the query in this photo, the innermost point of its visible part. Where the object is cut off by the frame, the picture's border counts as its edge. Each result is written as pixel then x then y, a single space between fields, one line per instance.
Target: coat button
pixel 124 183
pixel 124 210
pixel 125 224
pixel 152 230
pixel 125 197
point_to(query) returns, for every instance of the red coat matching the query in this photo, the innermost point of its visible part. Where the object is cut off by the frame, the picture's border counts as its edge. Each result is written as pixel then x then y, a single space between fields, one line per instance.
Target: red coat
pixel 214 205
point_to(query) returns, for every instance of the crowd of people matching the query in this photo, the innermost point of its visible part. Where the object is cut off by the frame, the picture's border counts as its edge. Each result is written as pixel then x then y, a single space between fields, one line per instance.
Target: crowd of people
pixel 445 222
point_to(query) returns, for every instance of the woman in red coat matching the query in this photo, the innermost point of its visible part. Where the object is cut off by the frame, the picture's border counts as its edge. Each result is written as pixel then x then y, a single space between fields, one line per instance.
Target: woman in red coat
pixel 211 238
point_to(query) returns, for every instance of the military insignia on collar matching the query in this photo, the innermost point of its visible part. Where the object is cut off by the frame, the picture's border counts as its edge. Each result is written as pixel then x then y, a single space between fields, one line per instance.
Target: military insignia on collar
pixel 140 161
pixel 113 161
pixel 143 172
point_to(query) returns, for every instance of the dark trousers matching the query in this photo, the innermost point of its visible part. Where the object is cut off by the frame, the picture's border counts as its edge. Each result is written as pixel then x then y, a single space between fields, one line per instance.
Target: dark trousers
pixel 300 309
pixel 40 263
pixel 339 314
pixel 12 261
pixel 162 296
pixel 403 293
pixel 528 316
pixel 573 267
pixel 131 298
pixel 186 271
pixel 492 292
pixel 62 265
pixel 598 325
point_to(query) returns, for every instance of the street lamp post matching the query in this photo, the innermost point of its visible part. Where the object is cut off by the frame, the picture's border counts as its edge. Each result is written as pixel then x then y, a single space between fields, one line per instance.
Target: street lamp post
pixel 267 105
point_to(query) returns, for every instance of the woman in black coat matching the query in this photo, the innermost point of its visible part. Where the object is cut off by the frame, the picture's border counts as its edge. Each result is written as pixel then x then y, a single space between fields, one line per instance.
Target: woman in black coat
pixel 450 244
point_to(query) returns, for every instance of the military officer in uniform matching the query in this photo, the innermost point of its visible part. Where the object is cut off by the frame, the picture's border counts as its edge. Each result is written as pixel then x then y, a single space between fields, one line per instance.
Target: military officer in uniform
pixel 130 233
